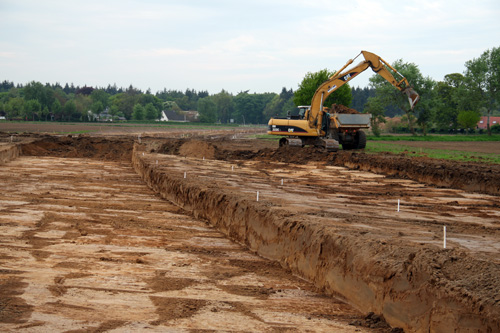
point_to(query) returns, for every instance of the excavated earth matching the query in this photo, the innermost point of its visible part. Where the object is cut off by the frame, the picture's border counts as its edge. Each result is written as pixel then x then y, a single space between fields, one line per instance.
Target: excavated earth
pixel 249 238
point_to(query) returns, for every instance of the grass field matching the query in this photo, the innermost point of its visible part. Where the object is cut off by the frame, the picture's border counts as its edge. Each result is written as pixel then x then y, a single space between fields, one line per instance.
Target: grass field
pixel 447 154
pixel 436 138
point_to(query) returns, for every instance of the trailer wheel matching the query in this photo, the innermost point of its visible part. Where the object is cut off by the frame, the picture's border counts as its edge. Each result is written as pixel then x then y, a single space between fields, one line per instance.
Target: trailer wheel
pixel 361 140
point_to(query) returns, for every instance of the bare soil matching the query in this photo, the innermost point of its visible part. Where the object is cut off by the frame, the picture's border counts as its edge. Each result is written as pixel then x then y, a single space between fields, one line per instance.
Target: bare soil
pixel 339 108
pixel 477 177
pixel 83 236
pixel 86 246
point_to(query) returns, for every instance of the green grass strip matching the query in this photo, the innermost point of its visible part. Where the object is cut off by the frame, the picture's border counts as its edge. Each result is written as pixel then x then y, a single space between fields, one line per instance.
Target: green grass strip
pixel 455 155
pixel 450 138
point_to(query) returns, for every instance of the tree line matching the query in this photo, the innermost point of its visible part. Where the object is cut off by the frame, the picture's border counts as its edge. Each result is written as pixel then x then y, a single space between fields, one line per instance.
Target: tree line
pixel 457 102
pixel 36 101
pixel 445 106
pixel 53 102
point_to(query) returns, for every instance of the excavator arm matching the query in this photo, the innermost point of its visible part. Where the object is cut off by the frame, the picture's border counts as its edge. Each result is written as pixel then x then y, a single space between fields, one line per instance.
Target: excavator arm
pixel 341 77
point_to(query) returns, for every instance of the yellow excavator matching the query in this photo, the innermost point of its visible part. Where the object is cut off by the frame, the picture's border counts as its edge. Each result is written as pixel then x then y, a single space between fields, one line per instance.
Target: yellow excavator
pixel 316 126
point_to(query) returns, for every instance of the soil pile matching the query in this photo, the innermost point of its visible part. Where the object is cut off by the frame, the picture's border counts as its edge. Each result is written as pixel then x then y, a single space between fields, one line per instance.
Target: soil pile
pixel 338 108
pixel 108 149
pixel 196 148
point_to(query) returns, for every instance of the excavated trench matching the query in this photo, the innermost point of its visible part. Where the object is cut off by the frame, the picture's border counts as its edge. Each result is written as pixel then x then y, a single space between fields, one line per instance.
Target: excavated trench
pixel 325 232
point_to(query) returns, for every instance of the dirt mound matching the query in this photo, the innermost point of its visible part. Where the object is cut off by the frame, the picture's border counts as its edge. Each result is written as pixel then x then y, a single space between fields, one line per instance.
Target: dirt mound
pixel 196 148
pixel 170 146
pixel 213 149
pixel 338 108
pixel 109 149
pixel 285 154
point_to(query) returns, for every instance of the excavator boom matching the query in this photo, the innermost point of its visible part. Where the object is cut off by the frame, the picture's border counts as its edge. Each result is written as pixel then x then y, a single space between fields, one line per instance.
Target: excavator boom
pixel 342 76
pixel 320 128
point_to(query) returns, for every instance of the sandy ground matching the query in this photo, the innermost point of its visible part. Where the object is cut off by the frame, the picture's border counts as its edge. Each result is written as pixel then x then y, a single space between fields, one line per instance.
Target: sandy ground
pixel 86 246
pixel 354 201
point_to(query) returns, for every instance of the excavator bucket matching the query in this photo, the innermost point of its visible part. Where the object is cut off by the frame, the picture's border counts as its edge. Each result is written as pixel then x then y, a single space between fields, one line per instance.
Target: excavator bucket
pixel 413 96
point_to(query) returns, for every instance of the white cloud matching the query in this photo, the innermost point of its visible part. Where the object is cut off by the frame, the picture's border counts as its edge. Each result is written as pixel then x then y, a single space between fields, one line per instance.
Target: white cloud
pixel 209 45
pixel 9 55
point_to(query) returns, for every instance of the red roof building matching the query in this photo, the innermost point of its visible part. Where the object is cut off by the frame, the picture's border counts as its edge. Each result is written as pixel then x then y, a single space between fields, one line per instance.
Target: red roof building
pixel 482 124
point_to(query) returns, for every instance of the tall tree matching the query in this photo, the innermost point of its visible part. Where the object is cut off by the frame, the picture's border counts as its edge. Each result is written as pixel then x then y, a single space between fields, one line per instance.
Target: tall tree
pixel 145 99
pixel 99 95
pixel 151 112
pixel 275 107
pixel 224 104
pixel 138 112
pixel 207 110
pixel 389 95
pixel 360 97
pixel 37 91
pixel 69 109
pixel 249 107
pixel 376 109
pixel 32 108
pixel 83 104
pixel 14 107
pixel 311 81
pixel 126 101
pixel 280 105
pixel 6 86
pixel 97 107
pixel 448 99
pixel 483 80
pixel 56 109
pixel 468 119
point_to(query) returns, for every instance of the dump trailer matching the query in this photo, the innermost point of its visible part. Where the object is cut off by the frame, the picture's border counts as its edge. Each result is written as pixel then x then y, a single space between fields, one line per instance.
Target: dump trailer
pixel 346 130
pixel 323 127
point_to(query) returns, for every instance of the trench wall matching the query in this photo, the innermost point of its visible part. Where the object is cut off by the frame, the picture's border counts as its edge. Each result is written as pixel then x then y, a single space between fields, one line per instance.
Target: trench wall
pixel 407 294
pixel 9 153
pixel 469 177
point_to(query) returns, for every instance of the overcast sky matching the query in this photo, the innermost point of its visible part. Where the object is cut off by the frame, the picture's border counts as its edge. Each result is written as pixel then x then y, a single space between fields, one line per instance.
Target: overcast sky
pixel 256 45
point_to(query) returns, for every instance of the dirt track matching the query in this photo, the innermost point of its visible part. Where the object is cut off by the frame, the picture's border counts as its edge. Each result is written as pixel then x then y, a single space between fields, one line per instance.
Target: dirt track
pixel 388 262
